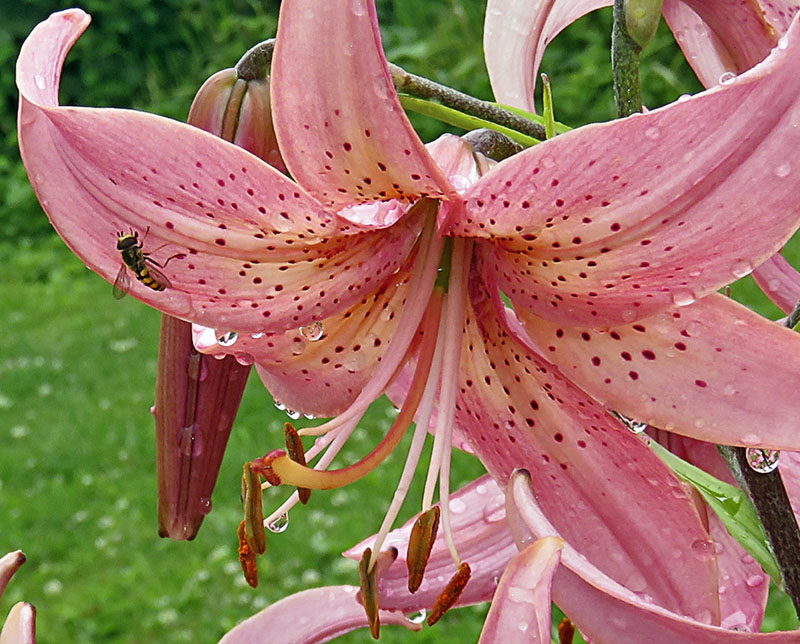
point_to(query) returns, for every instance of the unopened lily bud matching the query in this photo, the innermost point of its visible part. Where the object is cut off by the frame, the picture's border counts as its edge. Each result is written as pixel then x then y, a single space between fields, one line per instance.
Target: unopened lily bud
pixel 238 110
pixel 641 19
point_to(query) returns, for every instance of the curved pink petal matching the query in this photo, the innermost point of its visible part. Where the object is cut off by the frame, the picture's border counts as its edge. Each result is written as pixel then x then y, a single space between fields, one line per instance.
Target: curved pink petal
pixel 520 611
pixel 20 625
pixel 9 564
pixel 481 535
pixel 714 370
pixel 605 490
pixel 515 35
pixel 310 617
pixel 780 282
pixel 613 222
pixel 243 243
pixel 341 129
pixel 602 609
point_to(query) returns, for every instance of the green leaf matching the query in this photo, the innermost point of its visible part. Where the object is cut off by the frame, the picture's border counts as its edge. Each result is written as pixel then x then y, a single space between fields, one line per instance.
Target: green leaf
pixel 732 507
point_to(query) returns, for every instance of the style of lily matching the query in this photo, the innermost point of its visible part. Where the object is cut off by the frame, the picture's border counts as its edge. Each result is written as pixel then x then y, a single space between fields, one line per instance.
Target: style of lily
pixel 20 625
pixel 609 241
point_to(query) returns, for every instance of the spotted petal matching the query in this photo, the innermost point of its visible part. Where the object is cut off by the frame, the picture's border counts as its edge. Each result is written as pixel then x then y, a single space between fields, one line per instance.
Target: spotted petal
pixel 606 491
pixel 310 617
pixel 613 222
pixel 342 131
pixel 243 243
pixel 605 611
pixel 714 371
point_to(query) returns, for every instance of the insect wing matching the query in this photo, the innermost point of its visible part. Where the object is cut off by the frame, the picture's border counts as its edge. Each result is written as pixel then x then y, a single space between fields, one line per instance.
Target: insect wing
pixel 122 284
pixel 157 274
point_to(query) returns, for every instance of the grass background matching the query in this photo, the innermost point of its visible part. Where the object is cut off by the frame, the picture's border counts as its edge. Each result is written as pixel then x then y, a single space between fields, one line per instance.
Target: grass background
pixel 77 368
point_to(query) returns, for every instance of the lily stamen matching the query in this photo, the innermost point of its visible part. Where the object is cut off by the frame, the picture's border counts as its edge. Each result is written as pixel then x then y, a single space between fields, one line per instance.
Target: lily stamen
pixel 420 544
pixel 450 594
pixel 294 446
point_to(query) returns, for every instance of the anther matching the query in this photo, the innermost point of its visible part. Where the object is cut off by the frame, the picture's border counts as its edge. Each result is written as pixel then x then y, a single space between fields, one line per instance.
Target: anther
pixel 247 558
pixel 450 594
pixel 296 452
pixel 369 592
pixel 254 532
pixel 420 544
pixel 566 631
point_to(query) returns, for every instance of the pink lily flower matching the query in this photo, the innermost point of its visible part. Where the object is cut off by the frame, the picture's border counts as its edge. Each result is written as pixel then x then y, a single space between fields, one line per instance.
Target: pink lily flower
pixel 20 625
pixel 720 38
pixel 609 250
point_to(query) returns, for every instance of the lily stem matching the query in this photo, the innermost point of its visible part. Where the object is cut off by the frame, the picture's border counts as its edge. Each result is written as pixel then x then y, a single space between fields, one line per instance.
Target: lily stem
pixel 424 88
pixel 625 64
pixel 768 495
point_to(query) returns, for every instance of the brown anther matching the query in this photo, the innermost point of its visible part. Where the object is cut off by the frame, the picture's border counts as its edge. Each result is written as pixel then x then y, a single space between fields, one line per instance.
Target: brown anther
pixel 247 558
pixel 566 631
pixel 369 592
pixel 296 452
pixel 450 594
pixel 254 531
pixel 420 544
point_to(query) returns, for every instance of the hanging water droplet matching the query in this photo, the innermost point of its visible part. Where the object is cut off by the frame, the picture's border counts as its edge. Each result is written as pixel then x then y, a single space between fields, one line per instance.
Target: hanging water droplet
pixel 762 461
pixel 280 524
pixel 783 170
pixel 205 504
pixel 783 43
pixel 418 617
pixel 634 425
pixel 741 268
pixel 294 415
pixel 245 359
pixel 227 339
pixel 312 332
pixel 683 298
pixel 279 405
pixel 727 77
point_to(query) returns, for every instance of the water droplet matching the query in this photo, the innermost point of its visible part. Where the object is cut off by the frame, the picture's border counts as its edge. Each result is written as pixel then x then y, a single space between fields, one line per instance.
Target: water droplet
pixel 703 549
pixel 695 272
pixel 783 43
pixel 684 97
pixel 418 617
pixel 298 347
pixel 493 514
pixel 40 82
pixel 741 268
pixel 280 524
pixel 747 559
pixel 652 133
pixel 228 338
pixel 783 170
pixel 683 298
pixel 279 405
pixel 457 506
pixel 205 504
pixel 186 439
pixel 294 415
pixel 636 582
pixel 750 439
pixel 358 8
pixel 523 626
pixel 762 461
pixel 634 425
pixel 244 359
pixel 754 580
pixel 727 78
pixel 312 332
pixel 256 336
pixel 629 315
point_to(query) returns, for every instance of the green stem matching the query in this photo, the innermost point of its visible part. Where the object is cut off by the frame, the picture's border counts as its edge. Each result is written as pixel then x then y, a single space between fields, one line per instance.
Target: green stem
pixel 625 64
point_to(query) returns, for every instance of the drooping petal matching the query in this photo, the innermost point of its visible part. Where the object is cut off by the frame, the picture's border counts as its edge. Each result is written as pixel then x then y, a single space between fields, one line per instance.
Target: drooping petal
pixel 780 282
pixel 20 625
pixel 481 536
pixel 612 222
pixel 606 611
pixel 9 564
pixel 604 488
pixel 515 35
pixel 714 371
pixel 520 611
pixel 243 243
pixel 342 131
pixel 310 617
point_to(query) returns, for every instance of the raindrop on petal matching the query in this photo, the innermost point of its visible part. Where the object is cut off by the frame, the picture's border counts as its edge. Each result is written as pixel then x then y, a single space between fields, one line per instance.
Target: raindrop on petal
pixel 727 78
pixel 279 525
pixel 227 339
pixel 762 461
pixel 783 170
pixel 40 82
pixel 683 298
pixel 256 336
pixel 741 268
pixel 312 332
pixel 652 133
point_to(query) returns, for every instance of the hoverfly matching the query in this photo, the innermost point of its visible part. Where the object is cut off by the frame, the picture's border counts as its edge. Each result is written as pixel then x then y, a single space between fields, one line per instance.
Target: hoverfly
pixel 143 267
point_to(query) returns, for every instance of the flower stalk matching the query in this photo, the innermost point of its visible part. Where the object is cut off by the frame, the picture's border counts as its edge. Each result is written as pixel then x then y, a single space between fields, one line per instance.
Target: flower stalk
pixel 625 64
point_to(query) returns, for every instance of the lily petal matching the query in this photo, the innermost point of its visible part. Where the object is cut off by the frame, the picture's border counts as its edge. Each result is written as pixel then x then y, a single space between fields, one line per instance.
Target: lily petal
pixel 657 218
pixel 20 625
pixel 780 282
pixel 714 371
pixel 607 492
pixel 9 564
pixel 523 596
pixel 481 536
pixel 310 617
pixel 603 609
pixel 228 222
pixel 341 129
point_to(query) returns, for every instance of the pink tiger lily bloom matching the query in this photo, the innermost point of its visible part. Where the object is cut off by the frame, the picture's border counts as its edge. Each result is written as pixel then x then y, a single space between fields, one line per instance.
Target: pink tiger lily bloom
pixel 20 625
pixel 718 37
pixel 609 248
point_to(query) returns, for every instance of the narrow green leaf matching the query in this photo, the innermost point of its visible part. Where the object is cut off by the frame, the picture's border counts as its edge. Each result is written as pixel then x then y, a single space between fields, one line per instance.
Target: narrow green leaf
pixel 732 507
